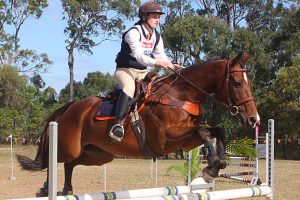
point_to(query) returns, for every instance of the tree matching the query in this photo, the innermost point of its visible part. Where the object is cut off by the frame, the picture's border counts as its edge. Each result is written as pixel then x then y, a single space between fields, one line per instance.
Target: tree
pixel 97 83
pixel 64 94
pixel 178 8
pixel 20 108
pixel 3 15
pixel 281 102
pixel 11 84
pixel 231 11
pixel 14 14
pixel 20 10
pixel 89 19
pixel 9 120
pixel 196 38
pixel 32 110
pixel 48 97
pixel 37 82
pixel 286 40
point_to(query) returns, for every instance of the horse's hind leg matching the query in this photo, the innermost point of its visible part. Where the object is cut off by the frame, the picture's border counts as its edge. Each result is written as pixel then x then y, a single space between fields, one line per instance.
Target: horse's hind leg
pixel 43 191
pixel 91 155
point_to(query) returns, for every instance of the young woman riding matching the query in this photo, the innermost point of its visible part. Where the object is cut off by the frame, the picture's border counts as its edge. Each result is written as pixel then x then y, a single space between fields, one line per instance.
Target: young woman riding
pixel 141 46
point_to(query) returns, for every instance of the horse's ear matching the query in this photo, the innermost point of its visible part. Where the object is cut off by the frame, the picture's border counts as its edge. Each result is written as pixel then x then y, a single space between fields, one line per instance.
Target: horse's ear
pixel 237 59
pixel 245 59
pixel 241 58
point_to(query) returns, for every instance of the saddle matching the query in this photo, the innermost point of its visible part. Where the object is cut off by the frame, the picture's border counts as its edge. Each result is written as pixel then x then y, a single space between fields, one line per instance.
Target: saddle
pixel 107 109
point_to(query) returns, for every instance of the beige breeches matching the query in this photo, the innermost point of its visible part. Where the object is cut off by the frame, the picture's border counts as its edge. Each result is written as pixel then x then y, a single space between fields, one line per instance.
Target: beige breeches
pixel 126 78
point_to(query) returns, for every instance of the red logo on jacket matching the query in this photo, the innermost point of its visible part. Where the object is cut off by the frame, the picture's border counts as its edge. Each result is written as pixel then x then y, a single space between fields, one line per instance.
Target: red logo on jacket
pixel 147 44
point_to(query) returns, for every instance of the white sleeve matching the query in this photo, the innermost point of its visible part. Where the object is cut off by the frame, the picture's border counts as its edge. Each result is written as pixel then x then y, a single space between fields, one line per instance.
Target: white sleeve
pixel 133 40
pixel 159 51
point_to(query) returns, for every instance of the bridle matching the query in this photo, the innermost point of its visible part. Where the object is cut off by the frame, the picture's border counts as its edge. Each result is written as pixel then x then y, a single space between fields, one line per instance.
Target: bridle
pixel 233 107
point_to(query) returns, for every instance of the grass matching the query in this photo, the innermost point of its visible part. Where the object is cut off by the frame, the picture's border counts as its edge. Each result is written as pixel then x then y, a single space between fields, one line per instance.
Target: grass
pixel 125 174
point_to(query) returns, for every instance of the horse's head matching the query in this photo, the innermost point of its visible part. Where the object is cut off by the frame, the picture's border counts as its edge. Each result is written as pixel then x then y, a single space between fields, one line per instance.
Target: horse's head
pixel 235 91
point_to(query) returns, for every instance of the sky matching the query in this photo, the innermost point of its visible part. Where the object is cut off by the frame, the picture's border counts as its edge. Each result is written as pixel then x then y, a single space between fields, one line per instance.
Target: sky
pixel 45 35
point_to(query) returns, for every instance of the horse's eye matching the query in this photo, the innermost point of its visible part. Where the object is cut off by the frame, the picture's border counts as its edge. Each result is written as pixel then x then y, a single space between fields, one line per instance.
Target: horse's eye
pixel 237 84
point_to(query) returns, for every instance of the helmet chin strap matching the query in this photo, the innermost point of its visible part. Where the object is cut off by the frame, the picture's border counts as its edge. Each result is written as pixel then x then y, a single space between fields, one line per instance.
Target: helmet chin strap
pixel 148 27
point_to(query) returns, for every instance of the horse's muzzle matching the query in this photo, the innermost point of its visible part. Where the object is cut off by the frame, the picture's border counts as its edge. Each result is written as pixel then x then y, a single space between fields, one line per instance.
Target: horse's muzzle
pixel 248 121
pixel 252 120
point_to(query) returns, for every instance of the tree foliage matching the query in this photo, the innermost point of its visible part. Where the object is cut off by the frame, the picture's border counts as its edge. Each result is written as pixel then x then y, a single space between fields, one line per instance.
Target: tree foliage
pixel 282 101
pixel 11 84
pixel 91 22
pixel 95 84
pixel 13 15
pixel 267 30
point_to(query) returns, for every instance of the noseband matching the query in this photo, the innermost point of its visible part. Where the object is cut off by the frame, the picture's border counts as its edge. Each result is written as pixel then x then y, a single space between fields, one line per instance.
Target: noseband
pixel 233 107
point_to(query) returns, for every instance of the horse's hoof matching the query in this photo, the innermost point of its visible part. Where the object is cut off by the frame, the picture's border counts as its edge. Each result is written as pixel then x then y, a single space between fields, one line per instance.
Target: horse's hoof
pixel 211 171
pixel 64 193
pixel 222 164
pixel 206 175
pixel 41 193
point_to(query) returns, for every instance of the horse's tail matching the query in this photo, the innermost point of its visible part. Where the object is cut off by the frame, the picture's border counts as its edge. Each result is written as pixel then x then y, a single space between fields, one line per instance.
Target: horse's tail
pixel 42 156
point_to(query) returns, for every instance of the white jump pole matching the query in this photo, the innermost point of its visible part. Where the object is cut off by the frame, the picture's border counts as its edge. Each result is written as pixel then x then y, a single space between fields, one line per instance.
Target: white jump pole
pixel 132 194
pixel 52 132
pixel 234 194
pixel 12 178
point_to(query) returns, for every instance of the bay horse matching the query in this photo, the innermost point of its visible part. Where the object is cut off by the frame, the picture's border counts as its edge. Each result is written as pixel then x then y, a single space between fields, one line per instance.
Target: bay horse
pixel 82 140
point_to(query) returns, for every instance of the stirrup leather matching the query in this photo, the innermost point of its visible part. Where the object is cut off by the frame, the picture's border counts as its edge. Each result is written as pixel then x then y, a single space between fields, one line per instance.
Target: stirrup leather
pixel 111 134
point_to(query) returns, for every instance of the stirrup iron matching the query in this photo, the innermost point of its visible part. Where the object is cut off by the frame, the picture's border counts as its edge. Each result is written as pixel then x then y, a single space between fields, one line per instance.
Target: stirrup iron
pixel 111 134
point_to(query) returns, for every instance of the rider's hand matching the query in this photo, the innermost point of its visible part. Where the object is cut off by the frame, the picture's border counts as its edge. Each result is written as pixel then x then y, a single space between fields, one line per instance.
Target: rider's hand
pixel 178 67
pixel 164 64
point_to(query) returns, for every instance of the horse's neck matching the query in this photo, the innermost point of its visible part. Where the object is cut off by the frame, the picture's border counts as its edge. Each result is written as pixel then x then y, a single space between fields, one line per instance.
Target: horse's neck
pixel 205 76
pixel 208 75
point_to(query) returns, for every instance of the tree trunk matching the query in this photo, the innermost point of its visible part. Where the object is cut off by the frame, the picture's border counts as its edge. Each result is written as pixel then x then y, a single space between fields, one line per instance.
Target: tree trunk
pixel 71 70
pixel 229 9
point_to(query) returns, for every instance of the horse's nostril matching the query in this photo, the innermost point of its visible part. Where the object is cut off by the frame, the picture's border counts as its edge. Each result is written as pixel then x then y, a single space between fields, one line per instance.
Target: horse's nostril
pixel 252 119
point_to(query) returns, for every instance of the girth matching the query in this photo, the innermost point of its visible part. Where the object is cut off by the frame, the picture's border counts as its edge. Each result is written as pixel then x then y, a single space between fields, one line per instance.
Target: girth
pixel 190 107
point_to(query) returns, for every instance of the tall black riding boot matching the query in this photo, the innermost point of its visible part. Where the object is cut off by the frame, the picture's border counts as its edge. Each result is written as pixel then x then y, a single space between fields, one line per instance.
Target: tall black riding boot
pixel 117 131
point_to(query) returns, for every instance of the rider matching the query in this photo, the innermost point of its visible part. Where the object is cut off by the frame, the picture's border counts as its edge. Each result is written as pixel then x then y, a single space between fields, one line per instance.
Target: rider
pixel 141 46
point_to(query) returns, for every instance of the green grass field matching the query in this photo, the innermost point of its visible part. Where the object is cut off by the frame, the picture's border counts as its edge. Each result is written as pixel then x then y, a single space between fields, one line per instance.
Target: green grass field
pixel 125 174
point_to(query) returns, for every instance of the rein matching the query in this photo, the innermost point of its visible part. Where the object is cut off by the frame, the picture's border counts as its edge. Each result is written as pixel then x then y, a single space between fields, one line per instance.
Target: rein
pixel 234 109
pixel 190 82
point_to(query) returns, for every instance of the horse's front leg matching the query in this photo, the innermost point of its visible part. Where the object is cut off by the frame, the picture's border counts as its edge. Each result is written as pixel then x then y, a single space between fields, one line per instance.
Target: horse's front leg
pixel 212 170
pixel 219 134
